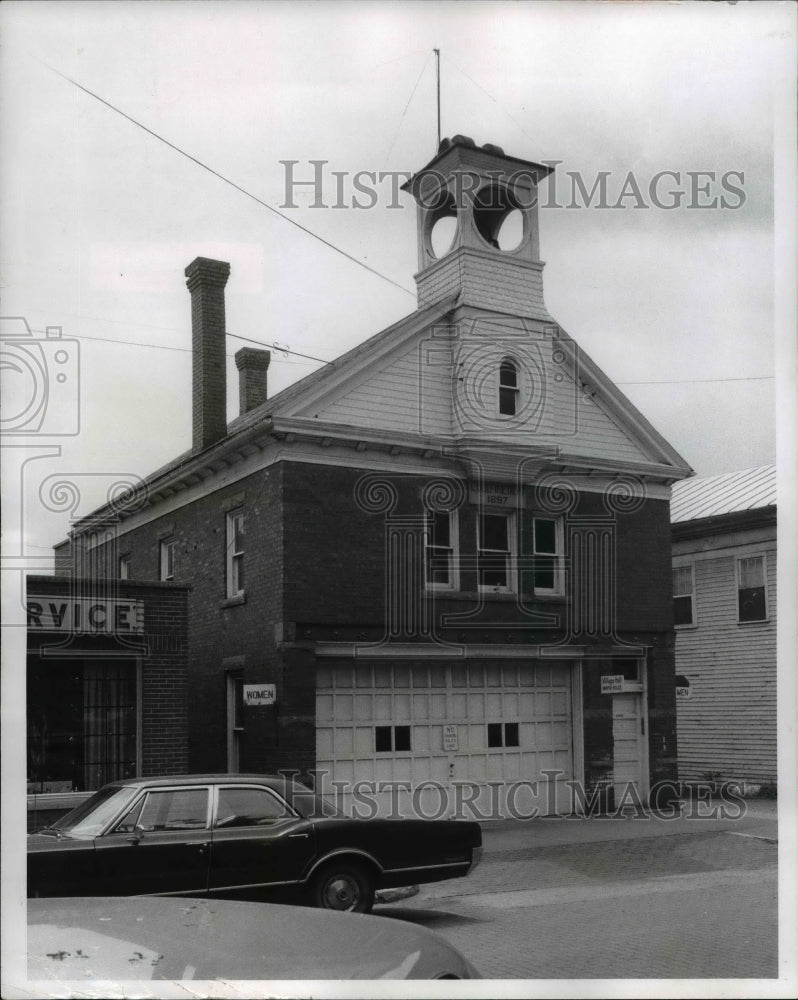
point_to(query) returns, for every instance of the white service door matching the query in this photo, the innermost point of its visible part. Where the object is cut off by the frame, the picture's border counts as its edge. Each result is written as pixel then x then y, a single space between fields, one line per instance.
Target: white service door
pixel 628 749
pixel 429 738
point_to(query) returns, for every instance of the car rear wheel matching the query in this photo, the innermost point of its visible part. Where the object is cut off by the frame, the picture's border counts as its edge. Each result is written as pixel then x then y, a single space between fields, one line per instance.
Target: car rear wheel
pixel 344 886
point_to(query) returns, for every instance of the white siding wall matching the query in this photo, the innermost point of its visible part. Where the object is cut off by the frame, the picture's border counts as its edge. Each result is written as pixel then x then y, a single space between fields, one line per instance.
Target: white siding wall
pixel 728 724
pixel 414 393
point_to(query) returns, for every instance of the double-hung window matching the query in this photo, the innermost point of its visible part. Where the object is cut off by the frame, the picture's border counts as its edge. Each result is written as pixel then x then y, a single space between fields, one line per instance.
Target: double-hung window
pixel 440 551
pixel 508 388
pixel 683 596
pixel 496 550
pixel 167 558
pixel 547 553
pixel 751 590
pixel 234 567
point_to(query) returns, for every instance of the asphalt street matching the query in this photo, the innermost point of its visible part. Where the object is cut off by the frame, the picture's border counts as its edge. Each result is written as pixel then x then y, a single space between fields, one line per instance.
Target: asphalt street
pixel 614 898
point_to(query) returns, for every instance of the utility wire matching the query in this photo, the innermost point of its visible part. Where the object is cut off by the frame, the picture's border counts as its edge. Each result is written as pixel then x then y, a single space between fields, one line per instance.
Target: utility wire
pixel 188 350
pixel 312 357
pixel 232 184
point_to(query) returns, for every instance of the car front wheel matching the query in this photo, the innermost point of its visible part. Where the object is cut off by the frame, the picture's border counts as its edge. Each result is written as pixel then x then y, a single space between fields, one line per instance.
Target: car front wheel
pixel 343 886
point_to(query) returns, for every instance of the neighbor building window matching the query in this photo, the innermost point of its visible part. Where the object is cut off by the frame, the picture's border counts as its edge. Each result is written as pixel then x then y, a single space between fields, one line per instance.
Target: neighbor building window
pixel 751 591
pixel 167 550
pixel 124 567
pixel 235 553
pixel 440 550
pixel 547 551
pixel 683 596
pixel 508 388
pixel 495 552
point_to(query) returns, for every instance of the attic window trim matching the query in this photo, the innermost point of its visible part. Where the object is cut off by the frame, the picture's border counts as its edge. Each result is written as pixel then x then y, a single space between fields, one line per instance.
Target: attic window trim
pixel 509 389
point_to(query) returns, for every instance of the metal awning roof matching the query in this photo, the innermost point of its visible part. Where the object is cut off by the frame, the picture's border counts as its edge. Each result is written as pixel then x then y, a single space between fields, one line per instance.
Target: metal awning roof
pixel 727 493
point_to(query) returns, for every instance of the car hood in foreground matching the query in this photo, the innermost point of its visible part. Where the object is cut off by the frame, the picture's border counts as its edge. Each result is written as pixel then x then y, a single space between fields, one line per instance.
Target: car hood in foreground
pixel 177 938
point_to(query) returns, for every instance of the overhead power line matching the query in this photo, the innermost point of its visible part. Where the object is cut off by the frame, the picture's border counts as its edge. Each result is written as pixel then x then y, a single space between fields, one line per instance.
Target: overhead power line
pixel 248 194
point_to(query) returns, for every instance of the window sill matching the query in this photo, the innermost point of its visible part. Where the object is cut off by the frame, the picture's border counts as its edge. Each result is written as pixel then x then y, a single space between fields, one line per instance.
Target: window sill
pixel 231 602
pixel 686 627
pixel 489 595
pixel 759 621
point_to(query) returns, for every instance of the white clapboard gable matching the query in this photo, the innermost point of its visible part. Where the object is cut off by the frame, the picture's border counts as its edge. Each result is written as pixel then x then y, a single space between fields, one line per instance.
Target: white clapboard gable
pixel 435 374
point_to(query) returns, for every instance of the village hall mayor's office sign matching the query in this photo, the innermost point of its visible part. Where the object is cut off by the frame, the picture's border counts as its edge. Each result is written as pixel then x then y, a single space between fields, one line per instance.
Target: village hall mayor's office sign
pixel 85 615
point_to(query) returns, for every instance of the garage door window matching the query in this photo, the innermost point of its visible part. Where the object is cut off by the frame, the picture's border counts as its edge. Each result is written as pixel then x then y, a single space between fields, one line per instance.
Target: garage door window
pixel 502 734
pixel 388 738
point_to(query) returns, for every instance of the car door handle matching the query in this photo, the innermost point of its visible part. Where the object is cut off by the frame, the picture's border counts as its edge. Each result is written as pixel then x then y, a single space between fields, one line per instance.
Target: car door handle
pixel 292 836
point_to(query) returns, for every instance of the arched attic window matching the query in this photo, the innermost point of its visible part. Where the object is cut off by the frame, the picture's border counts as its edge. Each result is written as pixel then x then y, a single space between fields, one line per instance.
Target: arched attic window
pixel 508 388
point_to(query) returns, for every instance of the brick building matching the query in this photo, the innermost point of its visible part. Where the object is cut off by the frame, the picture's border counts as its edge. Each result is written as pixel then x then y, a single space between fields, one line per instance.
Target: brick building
pixel 107 690
pixel 448 550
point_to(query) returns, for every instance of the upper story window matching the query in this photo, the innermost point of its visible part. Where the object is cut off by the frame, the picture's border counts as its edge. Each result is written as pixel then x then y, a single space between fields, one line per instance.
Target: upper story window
pixel 167 559
pixel 124 567
pixel 440 551
pixel 751 589
pixel 235 553
pixel 508 388
pixel 683 596
pixel 547 549
pixel 496 551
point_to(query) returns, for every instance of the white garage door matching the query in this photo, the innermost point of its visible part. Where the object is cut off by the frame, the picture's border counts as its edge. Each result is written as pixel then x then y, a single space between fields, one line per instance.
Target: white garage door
pixel 434 737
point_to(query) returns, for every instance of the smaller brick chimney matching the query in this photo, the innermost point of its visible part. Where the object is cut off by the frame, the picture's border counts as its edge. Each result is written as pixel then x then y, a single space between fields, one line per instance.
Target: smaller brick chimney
pixel 206 281
pixel 252 365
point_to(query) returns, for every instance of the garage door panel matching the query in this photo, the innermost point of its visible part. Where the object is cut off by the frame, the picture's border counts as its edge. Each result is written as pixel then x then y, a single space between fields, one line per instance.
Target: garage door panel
pixel 476 706
pixel 425 697
pixel 364 741
pixel 559 703
pixel 420 740
pixel 438 706
pixel 344 711
pixel 344 742
pixel 495 767
pixel 420 707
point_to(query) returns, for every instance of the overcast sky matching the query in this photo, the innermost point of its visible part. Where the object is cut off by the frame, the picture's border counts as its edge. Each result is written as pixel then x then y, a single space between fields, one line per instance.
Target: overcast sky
pixel 101 218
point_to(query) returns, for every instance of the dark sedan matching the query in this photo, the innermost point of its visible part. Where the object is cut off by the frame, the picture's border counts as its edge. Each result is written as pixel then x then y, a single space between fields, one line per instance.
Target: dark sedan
pixel 239 836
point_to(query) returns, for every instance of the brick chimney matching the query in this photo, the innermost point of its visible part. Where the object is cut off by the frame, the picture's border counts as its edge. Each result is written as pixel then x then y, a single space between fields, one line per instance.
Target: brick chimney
pixel 252 366
pixel 206 281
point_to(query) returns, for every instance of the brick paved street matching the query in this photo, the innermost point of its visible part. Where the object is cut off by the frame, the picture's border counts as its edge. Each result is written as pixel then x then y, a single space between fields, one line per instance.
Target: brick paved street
pixel 655 902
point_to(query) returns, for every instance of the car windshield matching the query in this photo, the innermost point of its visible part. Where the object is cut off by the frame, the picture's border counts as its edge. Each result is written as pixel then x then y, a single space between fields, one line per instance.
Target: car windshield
pixel 91 817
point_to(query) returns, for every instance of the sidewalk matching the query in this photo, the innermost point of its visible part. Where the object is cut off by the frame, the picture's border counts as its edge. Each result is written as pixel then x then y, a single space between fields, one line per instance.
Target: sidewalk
pixel 760 820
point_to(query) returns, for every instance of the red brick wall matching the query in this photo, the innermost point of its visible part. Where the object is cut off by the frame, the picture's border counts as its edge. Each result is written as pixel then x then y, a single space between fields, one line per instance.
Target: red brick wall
pixel 315 566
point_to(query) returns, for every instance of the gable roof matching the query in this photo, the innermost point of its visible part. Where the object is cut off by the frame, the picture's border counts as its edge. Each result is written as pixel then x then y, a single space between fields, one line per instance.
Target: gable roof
pixel 727 493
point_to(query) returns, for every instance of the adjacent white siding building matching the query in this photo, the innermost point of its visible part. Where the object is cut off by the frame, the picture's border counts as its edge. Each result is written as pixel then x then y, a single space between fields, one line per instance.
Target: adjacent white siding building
pixel 724 576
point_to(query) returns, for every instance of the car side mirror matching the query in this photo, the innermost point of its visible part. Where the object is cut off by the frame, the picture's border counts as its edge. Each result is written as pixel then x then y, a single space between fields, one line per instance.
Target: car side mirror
pixel 136 836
